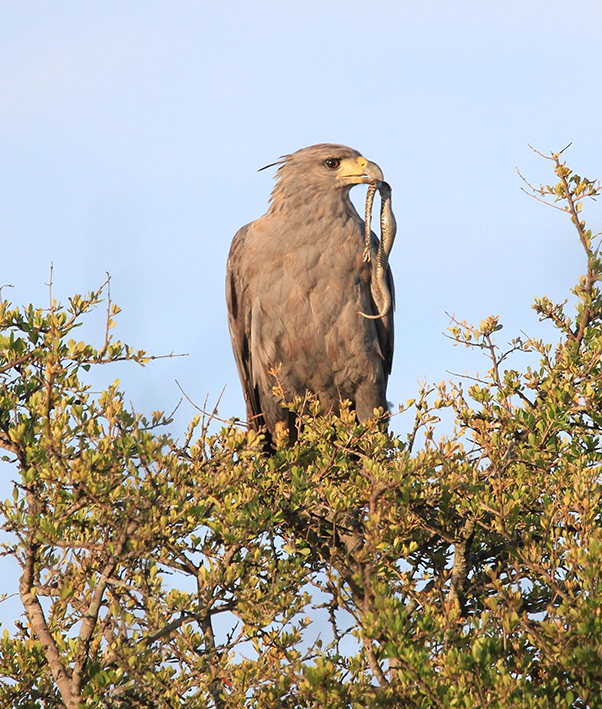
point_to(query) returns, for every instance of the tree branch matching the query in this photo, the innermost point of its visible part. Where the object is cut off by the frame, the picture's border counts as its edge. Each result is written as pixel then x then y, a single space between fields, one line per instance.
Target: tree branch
pixel 90 618
pixel 460 568
pixel 37 619
pixel 373 662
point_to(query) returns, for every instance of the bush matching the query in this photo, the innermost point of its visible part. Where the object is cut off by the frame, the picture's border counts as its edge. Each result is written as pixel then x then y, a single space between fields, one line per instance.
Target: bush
pixel 349 570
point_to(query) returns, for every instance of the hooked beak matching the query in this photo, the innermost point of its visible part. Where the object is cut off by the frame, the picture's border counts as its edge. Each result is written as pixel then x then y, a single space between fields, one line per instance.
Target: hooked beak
pixel 361 171
pixel 371 171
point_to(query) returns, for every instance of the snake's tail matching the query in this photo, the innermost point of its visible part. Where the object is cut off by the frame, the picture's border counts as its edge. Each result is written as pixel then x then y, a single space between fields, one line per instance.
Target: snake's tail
pixel 383 310
pixel 381 270
pixel 374 317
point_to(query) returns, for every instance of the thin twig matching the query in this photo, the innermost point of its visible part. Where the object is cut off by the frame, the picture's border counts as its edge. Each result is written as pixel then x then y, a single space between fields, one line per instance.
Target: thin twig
pixel 213 414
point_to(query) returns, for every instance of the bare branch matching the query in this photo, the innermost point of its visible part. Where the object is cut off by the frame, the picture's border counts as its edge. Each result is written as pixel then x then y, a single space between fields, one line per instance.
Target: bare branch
pixel 213 414
pixel 37 619
pixel 91 616
pixel 373 663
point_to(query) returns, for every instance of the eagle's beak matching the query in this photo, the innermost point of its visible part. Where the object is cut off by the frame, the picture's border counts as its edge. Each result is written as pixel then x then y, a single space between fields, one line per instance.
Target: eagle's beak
pixel 360 171
pixel 370 170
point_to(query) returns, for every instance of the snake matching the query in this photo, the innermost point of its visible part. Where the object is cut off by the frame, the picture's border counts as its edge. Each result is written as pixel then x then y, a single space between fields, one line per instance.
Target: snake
pixel 388 229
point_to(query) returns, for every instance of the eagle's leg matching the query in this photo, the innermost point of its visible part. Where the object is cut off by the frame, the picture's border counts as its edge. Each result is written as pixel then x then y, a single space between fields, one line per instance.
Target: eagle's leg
pixel 285 432
pixel 280 433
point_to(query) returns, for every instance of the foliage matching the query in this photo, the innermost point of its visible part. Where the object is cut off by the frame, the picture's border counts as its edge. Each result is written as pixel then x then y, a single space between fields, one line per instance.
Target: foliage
pixel 348 570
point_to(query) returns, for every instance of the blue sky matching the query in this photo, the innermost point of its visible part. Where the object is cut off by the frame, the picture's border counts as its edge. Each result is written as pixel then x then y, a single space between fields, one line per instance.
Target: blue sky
pixel 132 133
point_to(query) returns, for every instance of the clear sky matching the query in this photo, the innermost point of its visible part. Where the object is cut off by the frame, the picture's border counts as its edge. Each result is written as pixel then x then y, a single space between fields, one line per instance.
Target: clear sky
pixel 131 134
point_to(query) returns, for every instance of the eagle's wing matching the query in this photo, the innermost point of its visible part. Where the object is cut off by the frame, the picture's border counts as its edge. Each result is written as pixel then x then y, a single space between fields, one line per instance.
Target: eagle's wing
pixel 239 304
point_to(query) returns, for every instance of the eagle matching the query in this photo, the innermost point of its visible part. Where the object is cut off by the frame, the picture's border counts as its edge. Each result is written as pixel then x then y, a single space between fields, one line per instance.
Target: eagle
pixel 302 294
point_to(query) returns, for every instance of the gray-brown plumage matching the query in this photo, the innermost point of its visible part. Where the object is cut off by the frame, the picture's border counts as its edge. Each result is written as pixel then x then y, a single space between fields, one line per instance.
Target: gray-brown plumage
pixel 296 284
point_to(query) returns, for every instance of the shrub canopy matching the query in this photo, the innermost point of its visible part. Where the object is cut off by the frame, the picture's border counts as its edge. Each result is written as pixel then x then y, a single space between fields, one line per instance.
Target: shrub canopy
pixel 352 569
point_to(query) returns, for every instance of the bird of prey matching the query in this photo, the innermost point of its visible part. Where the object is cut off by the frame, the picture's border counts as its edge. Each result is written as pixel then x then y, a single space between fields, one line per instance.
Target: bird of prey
pixel 298 289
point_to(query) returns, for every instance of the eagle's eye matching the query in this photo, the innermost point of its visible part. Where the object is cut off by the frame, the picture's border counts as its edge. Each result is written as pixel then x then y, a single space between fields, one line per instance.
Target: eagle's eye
pixel 332 163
